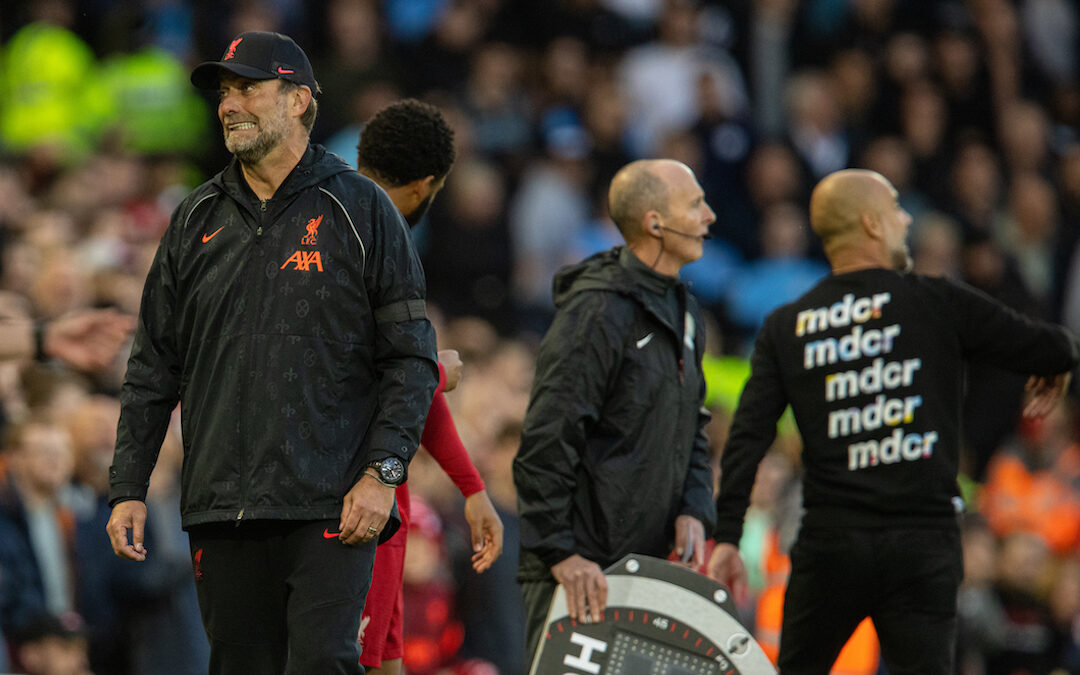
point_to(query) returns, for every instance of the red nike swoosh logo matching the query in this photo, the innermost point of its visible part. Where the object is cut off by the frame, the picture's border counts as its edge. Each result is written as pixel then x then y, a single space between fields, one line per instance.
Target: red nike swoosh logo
pixel 208 237
pixel 284 71
pixel 327 534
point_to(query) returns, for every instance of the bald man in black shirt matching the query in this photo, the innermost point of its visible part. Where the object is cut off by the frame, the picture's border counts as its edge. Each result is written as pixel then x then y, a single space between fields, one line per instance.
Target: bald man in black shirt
pixel 871 361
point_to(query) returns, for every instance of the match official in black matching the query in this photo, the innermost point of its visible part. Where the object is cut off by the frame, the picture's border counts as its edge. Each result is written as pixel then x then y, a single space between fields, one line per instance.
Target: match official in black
pixel 613 457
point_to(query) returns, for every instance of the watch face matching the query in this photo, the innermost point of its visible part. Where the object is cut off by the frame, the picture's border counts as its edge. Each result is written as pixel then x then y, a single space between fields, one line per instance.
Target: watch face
pixel 392 470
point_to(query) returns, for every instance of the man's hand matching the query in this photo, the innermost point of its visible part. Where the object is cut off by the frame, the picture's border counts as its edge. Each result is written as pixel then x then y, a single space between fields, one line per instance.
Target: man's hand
pixel 365 510
pixel 486 528
pixel 128 515
pixel 690 534
pixel 726 566
pixel 1044 393
pixel 586 587
pixel 451 362
pixel 88 340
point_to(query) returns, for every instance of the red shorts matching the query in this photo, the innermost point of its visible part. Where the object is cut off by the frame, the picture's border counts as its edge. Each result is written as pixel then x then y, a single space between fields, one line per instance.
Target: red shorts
pixel 381 630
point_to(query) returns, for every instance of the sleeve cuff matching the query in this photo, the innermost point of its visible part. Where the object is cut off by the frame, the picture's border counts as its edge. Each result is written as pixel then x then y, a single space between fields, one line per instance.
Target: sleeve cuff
pixel 552 558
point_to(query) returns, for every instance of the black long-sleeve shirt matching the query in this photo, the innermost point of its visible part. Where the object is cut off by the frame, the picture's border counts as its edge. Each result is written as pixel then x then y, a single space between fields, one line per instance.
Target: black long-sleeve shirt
pixel 872 364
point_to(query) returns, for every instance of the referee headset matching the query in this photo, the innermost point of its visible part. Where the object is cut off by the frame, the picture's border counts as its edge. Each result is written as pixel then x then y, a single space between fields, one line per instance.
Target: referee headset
pixel 657 227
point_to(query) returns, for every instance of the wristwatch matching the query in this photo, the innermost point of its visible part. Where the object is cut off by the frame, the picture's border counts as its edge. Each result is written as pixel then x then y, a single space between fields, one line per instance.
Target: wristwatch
pixel 390 471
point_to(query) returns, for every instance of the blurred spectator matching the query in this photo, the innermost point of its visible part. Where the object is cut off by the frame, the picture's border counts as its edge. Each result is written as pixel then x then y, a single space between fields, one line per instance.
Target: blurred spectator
pixel 891 156
pixel 981 620
pixel 961 70
pixel 156 110
pixel 564 77
pixel 604 116
pixel 497 103
pixel 1031 483
pixel 411 20
pixel 442 59
pixel 994 396
pixel 774 174
pixel 970 107
pixel 975 186
pixel 1067 177
pixel 547 215
pixel 935 246
pixel 365 102
pixel 1029 640
pixel 54 100
pixel 141 619
pixel 1029 231
pixel 433 630
pixel 906 62
pixel 923 126
pixel 490 604
pixel 357 57
pixel 782 273
pixel 1051 30
pixel 1024 136
pixel 661 78
pixel 853 73
pixel 53 645
pixel 769 33
pixel 38 561
pixel 467 252
pixel 816 126
pixel 1065 606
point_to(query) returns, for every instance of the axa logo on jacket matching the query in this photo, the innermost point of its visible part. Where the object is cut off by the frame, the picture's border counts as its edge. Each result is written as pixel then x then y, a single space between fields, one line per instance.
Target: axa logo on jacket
pixel 302 260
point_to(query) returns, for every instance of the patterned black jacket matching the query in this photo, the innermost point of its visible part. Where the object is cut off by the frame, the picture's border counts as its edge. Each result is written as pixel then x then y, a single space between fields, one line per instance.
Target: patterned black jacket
pixel 293 333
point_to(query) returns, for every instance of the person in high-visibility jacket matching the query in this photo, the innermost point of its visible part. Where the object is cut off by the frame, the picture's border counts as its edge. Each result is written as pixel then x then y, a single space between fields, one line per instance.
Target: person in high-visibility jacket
pixel 51 93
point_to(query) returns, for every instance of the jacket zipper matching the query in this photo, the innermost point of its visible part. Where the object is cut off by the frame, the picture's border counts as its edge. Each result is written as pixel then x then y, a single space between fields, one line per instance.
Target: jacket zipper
pixel 262 207
pixel 240 514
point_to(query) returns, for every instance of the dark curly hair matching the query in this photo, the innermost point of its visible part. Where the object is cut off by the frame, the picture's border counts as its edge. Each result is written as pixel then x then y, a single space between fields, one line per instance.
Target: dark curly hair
pixel 406 141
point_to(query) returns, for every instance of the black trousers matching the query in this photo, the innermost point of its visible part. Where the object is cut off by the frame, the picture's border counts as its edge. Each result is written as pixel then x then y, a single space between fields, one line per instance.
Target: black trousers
pixel 537 597
pixel 280 596
pixel 905 580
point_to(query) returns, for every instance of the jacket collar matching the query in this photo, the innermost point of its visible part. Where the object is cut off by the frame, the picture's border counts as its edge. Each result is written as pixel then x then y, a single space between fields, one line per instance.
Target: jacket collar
pixel 315 165
pixel 644 276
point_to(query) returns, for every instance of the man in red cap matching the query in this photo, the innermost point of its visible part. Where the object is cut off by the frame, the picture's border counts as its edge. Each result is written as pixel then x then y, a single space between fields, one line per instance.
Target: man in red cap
pixel 285 310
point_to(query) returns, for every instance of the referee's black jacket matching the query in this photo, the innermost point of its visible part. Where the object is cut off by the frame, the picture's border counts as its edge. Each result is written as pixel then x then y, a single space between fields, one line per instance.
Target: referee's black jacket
pixel 872 364
pixel 613 447
pixel 294 335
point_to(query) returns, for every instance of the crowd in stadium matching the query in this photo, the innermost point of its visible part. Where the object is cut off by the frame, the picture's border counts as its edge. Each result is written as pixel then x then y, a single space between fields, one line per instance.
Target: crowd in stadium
pixel 971 108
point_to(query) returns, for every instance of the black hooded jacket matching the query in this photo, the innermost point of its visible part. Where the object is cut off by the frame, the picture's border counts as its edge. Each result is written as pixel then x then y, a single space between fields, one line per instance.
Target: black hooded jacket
pixel 613 448
pixel 294 334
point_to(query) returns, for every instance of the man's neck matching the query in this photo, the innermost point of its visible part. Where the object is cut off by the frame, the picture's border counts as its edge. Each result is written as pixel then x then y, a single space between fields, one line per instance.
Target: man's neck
pixel 652 256
pixel 266 176
pixel 398 195
pixel 855 258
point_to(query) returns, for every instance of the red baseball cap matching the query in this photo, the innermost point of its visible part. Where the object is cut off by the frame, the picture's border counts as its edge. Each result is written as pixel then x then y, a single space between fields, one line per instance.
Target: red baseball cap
pixel 259 55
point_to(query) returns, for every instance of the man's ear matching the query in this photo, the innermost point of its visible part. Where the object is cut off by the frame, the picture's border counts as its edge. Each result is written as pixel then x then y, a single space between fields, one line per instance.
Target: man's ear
pixel 652 223
pixel 871 225
pixel 420 188
pixel 301 100
pixel 424 185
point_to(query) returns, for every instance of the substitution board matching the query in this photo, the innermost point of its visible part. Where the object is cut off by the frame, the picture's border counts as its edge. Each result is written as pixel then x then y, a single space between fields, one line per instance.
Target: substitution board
pixel 661 619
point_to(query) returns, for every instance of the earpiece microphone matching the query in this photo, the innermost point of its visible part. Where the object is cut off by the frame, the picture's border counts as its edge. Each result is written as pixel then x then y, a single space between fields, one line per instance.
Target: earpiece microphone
pixel 700 237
